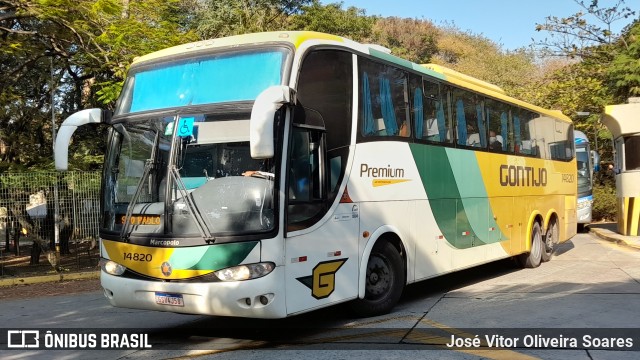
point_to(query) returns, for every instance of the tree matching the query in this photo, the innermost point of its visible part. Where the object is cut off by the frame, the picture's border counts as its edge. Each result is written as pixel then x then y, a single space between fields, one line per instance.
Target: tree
pixel 477 56
pixel 56 62
pixel 218 18
pixel 82 54
pixel 574 36
pixel 352 23
pixel 412 39
pixel 624 71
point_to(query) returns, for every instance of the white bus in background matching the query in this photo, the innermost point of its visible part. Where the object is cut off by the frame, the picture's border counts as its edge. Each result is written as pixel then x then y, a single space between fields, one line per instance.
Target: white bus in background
pixel 588 161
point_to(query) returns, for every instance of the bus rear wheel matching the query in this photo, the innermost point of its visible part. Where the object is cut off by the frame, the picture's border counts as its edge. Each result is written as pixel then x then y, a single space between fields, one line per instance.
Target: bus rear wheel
pixel 384 281
pixel 550 240
pixel 533 258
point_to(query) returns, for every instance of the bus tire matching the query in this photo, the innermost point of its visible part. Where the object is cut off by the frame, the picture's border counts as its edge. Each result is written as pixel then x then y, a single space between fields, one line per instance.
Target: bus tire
pixel 550 240
pixel 533 258
pixel 384 281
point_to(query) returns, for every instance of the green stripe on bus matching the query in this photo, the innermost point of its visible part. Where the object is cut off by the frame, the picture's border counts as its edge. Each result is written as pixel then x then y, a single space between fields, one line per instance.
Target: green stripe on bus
pixel 427 71
pixel 391 58
pixel 458 200
pixel 474 195
pixel 408 64
pixel 213 257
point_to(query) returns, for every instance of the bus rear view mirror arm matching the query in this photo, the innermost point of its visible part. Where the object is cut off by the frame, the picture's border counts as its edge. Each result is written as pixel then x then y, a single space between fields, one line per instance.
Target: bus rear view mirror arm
pixel 262 116
pixel 69 126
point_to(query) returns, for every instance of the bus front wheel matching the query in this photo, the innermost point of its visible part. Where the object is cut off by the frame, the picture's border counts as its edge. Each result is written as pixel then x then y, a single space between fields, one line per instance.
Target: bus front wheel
pixel 384 281
pixel 533 258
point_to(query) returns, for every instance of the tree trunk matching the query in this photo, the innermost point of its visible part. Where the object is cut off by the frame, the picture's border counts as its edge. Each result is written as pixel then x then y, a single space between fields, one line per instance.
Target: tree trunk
pixel 19 211
pixel 16 237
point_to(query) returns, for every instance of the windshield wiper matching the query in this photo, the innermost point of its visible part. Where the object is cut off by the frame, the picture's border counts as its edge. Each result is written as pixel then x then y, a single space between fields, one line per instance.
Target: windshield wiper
pixel 193 209
pixel 174 177
pixel 126 229
pixel 149 164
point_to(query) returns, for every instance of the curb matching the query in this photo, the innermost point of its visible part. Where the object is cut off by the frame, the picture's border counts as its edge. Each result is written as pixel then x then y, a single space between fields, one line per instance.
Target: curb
pixel 50 278
pixel 615 238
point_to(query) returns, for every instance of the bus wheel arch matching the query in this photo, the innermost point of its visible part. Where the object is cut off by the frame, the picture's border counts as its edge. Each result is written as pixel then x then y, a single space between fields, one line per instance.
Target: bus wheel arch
pixel 533 257
pixel 383 275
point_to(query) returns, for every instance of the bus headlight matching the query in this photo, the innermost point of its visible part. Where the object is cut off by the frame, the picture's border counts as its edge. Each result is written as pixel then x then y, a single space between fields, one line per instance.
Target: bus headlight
pixel 245 272
pixel 112 267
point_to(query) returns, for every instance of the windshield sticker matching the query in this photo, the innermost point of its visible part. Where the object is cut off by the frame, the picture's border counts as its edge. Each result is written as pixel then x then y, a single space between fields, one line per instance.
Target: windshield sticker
pixel 185 128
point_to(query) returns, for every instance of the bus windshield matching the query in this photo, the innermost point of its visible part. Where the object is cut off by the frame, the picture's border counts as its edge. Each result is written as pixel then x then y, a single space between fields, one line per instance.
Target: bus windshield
pixel 163 182
pixel 584 171
pixel 218 78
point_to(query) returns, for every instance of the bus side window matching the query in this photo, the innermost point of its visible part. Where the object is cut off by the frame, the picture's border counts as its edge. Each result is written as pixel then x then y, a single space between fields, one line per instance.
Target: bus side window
pixel 325 98
pixel 562 147
pixel 384 100
pixel 498 124
pixel 429 117
pixel 471 129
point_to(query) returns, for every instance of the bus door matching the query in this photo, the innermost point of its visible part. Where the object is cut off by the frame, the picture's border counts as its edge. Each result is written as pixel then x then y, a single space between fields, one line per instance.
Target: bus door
pixel 321 252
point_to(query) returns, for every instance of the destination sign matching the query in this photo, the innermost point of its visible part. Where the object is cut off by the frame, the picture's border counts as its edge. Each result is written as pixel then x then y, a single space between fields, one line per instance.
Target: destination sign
pixel 139 219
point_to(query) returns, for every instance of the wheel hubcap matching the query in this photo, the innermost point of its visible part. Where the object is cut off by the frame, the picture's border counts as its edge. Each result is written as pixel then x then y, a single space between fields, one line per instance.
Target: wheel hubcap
pixel 378 277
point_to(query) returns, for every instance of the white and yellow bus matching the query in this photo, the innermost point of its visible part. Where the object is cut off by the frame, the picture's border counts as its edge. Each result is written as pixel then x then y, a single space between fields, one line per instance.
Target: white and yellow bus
pixel 271 174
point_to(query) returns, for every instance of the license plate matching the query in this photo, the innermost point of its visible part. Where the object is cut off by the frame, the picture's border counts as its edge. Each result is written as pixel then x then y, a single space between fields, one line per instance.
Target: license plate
pixel 169 299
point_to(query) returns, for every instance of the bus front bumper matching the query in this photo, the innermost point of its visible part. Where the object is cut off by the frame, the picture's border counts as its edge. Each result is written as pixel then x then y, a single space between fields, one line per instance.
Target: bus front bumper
pixel 256 298
pixel 584 210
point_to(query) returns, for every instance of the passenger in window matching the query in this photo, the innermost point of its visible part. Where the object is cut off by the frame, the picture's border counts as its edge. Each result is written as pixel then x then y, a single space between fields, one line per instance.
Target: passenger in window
pixel 495 141
pixel 404 129
pixel 432 132
pixel 473 138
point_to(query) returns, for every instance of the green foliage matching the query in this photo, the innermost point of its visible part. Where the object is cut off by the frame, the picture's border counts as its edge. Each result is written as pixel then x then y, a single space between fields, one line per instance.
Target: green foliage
pixel 412 39
pixel 352 23
pixel 605 205
pixel 482 58
pixel 604 70
pixel 220 18
pixel 624 71
pixel 82 55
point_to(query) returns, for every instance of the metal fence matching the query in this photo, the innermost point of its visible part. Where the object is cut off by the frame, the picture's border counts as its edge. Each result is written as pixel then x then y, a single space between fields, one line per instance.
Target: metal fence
pixel 48 222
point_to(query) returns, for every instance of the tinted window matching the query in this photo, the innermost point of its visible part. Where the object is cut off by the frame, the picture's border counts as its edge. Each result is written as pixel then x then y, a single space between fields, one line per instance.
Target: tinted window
pixel 563 143
pixel 429 110
pixel 497 115
pixel 470 125
pixel 525 141
pixel 632 153
pixel 325 93
pixel 325 98
pixel 384 102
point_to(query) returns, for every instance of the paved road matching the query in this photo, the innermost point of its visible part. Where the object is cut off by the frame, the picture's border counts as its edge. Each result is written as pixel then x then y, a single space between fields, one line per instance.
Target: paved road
pixel 590 285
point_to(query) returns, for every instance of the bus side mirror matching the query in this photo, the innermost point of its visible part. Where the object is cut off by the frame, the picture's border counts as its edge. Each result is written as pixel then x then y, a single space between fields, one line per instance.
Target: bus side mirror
pixel 596 160
pixel 69 126
pixel 263 113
